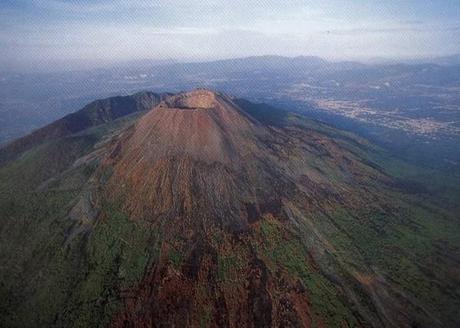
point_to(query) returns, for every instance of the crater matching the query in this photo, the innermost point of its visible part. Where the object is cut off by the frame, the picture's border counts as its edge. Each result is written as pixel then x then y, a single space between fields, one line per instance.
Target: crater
pixel 197 99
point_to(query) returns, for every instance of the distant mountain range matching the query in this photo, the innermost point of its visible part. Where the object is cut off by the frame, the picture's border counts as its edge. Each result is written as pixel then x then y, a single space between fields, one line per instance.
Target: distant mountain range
pixel 443 60
pixel 200 209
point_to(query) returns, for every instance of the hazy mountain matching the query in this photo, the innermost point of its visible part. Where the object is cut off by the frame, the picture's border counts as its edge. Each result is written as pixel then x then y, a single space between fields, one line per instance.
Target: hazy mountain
pixel 209 210
pixel 452 60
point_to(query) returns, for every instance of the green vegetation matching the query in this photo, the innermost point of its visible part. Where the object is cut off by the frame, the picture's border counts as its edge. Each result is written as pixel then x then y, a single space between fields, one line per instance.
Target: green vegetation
pixel 117 253
pixel 402 248
pixel 286 251
pixel 55 270
pixel 228 268
pixel 176 258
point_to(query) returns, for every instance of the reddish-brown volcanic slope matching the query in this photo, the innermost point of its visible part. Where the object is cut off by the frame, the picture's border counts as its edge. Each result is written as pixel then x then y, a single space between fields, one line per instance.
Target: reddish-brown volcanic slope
pixel 210 180
pixel 199 155
pixel 199 125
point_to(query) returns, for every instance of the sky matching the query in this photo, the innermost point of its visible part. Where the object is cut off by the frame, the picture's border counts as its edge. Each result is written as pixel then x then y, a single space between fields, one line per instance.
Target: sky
pixel 73 33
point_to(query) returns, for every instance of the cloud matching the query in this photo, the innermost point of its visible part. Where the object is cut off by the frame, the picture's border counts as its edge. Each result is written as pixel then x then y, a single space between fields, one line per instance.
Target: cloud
pixel 81 6
pixel 392 30
pixel 124 30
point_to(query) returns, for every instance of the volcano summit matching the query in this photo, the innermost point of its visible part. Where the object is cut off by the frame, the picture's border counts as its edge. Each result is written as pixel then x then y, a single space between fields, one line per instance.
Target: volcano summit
pixel 201 210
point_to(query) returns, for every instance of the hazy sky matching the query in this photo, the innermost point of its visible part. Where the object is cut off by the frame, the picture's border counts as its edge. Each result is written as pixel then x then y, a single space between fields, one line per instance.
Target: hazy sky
pixel 43 32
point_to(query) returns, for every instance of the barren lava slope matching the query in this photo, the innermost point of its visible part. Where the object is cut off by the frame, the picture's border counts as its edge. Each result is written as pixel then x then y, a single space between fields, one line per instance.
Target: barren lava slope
pixel 210 211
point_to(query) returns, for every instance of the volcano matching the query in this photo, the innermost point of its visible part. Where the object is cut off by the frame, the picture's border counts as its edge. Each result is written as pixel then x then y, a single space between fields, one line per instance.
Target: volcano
pixel 211 211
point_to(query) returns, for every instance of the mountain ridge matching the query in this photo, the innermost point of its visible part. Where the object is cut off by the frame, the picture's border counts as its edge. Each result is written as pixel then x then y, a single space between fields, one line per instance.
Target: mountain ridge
pixel 95 113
